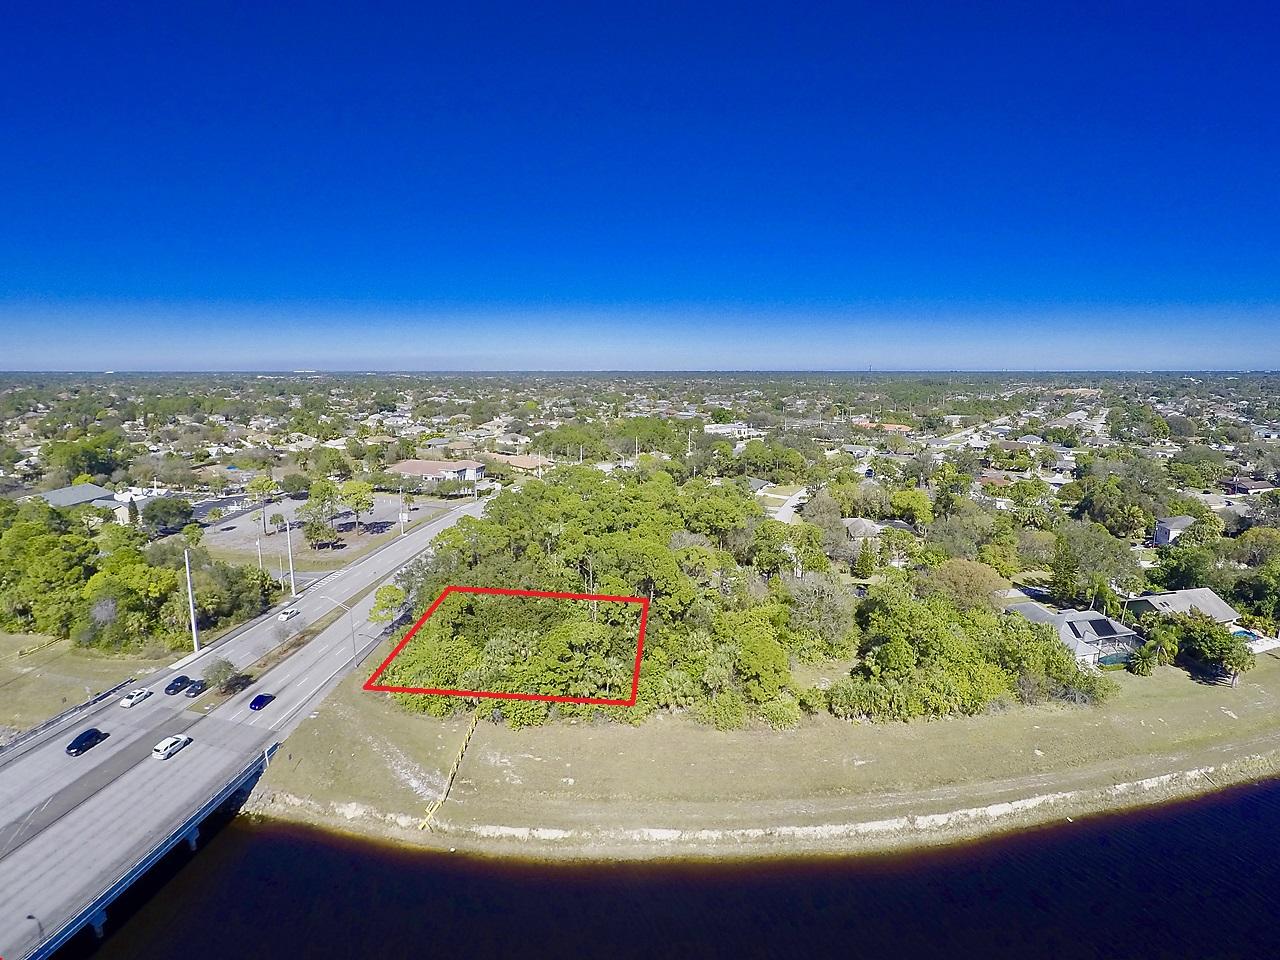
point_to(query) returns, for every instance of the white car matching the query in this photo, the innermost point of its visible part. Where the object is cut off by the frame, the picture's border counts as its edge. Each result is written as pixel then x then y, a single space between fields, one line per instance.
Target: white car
pixel 167 747
pixel 134 697
pixel 289 614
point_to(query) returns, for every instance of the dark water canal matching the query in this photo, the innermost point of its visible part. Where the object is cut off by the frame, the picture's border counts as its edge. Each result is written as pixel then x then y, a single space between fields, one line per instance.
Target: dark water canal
pixel 1194 880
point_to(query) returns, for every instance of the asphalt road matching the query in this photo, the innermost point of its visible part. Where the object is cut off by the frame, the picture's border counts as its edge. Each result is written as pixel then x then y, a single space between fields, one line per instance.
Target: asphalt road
pixel 69 826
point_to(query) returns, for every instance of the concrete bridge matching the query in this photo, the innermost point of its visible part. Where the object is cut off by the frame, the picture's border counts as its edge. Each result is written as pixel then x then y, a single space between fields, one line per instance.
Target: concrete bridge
pixel 76 832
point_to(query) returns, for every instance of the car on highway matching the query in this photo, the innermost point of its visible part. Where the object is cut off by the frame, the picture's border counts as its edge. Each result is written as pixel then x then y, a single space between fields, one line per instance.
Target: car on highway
pixel 289 614
pixel 85 740
pixel 178 684
pixel 261 700
pixel 134 697
pixel 167 747
pixel 197 687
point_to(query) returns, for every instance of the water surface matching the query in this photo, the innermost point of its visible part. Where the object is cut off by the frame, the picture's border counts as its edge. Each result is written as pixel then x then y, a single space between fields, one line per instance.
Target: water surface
pixel 1198 879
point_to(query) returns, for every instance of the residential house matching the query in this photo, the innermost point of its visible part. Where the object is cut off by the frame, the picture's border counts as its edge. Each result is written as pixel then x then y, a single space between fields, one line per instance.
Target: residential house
pixel 738 431
pixel 1247 486
pixel 531 463
pixel 1169 529
pixel 513 442
pixel 76 495
pixel 1092 637
pixel 1198 599
pixel 859 529
pixel 80 494
pixel 466 470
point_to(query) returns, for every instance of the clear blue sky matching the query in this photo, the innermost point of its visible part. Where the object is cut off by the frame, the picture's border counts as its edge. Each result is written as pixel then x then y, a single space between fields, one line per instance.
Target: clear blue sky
pixel 429 186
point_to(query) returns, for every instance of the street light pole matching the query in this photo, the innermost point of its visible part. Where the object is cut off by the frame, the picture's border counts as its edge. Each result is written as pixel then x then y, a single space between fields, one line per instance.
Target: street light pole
pixel 351 622
pixel 293 583
pixel 191 602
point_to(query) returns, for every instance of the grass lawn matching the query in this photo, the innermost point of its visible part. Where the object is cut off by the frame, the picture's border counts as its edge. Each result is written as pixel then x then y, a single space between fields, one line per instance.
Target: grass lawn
pixel 1032 578
pixel 784 490
pixel 60 675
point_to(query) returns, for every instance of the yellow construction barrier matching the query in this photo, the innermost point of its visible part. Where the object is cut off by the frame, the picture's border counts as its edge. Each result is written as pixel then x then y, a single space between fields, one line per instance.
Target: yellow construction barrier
pixel 453 772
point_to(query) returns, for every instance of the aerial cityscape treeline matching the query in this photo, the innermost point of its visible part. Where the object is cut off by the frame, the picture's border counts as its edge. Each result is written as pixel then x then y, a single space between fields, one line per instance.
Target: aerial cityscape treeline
pixel 913 545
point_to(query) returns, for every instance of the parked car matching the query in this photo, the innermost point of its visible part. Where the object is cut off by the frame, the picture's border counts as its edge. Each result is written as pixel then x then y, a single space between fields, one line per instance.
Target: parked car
pixel 289 614
pixel 261 700
pixel 178 684
pixel 134 697
pixel 197 687
pixel 85 740
pixel 167 747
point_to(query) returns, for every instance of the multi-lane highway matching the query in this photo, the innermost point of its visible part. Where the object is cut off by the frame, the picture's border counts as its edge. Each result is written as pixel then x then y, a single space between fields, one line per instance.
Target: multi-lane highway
pixel 70 826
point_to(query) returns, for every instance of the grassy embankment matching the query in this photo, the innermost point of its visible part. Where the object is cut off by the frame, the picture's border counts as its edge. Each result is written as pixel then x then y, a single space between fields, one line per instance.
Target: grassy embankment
pixel 59 675
pixel 674 787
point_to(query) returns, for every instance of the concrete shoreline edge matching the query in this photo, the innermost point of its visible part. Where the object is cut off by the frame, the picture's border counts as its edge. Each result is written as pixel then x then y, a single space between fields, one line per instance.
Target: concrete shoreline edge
pixel 775 841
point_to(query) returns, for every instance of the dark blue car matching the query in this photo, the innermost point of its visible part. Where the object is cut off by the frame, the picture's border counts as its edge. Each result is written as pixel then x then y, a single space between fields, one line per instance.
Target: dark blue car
pixel 85 741
pixel 178 684
pixel 261 700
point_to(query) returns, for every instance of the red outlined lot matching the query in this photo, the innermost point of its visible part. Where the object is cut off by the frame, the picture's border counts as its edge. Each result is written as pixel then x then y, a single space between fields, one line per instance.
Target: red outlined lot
pixel 372 684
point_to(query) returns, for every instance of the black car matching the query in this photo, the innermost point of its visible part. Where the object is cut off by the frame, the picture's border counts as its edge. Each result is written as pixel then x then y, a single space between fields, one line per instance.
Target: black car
pixel 178 684
pixel 261 700
pixel 197 687
pixel 86 740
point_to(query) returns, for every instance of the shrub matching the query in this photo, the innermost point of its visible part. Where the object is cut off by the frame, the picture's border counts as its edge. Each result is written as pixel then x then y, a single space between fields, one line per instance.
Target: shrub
pixel 781 713
pixel 725 711
pixel 524 713
pixel 813 700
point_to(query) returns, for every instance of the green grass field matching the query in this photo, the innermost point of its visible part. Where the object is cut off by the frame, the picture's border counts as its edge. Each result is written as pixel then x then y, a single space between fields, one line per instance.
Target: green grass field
pixel 35 687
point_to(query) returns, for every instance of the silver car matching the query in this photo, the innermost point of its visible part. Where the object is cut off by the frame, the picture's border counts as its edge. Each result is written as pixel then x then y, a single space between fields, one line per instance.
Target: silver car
pixel 134 697
pixel 167 747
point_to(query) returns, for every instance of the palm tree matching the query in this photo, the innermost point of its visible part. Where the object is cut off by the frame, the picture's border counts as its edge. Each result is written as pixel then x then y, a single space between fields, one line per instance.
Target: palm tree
pixel 1143 660
pixel 1165 645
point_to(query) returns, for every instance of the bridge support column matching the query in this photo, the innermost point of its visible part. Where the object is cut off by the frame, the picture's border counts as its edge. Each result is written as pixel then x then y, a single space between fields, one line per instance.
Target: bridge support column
pixel 99 923
pixel 192 836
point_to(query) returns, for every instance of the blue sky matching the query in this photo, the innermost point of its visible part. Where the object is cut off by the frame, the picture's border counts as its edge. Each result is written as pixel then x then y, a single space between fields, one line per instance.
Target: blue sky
pixel 909 186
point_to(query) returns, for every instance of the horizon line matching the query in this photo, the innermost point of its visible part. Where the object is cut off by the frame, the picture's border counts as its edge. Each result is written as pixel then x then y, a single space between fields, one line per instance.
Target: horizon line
pixel 368 371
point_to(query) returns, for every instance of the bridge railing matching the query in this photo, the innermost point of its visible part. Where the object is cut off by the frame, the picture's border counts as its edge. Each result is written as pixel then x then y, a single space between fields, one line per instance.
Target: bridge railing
pixel 100 901
pixel 66 714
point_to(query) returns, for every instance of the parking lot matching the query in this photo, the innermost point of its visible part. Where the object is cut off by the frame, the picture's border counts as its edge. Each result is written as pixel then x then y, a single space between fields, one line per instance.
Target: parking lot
pixel 237 537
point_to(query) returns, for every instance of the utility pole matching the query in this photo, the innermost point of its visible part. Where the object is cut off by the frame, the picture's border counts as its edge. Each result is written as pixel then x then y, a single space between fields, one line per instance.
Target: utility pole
pixel 402 509
pixel 293 583
pixel 191 602
pixel 259 554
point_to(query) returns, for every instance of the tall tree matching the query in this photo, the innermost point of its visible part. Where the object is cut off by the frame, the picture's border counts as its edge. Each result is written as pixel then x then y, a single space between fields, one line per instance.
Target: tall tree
pixel 358 495
pixel 865 565
pixel 261 490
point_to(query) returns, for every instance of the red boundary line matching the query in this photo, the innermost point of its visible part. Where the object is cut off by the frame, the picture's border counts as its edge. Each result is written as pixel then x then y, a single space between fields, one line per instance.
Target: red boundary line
pixel 371 683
